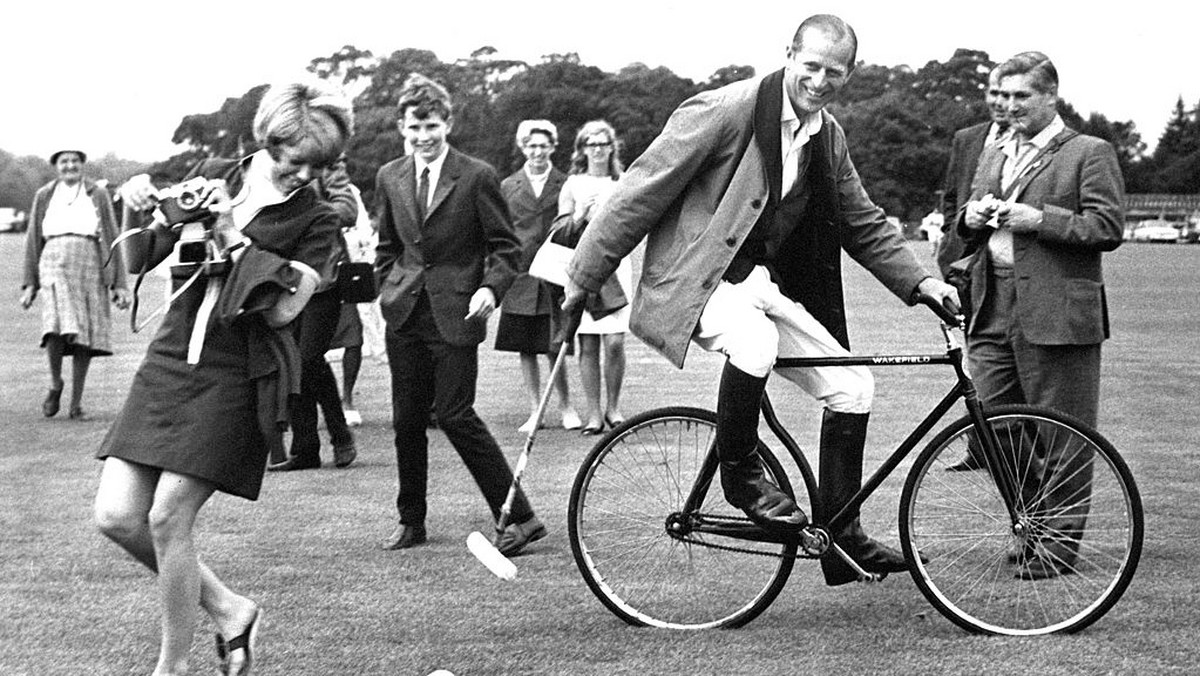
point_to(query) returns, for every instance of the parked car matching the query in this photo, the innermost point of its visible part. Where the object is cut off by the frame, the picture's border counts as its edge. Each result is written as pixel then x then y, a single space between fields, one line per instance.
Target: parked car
pixel 1158 232
pixel 12 220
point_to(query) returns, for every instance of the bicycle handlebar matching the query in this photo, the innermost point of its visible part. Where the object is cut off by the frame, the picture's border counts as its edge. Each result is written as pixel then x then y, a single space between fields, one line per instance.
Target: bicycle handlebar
pixel 950 318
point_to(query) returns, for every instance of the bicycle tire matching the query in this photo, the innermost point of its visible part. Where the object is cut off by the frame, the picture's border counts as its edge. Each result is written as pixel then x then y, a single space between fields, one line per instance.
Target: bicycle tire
pixel 629 484
pixel 978 571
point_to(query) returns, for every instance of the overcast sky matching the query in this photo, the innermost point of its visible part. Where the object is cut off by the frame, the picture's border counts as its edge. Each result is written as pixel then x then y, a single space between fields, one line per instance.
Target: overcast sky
pixel 119 75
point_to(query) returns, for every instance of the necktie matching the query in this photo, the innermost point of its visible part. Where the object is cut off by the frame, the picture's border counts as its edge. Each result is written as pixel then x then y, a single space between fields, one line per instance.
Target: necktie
pixel 423 193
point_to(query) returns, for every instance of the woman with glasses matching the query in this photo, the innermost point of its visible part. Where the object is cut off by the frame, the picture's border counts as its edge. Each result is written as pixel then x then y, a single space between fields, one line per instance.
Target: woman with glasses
pixel 595 168
pixel 210 397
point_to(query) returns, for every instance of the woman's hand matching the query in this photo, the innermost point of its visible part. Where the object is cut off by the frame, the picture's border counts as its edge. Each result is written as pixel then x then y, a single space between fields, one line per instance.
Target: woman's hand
pixel 482 304
pixel 139 193
pixel 27 296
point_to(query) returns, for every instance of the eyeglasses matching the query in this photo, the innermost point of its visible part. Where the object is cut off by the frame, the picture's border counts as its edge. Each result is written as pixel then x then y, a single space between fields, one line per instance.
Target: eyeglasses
pixel 538 146
pixel 597 145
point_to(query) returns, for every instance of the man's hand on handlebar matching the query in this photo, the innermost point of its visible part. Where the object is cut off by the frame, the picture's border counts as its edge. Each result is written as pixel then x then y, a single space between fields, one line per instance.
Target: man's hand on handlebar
pixel 939 295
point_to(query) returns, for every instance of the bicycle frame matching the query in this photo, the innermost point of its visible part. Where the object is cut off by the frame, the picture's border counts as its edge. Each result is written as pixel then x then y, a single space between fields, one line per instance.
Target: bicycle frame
pixel 963 388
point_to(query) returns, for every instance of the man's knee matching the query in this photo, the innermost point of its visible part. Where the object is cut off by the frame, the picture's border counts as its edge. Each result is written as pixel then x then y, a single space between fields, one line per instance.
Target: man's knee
pixel 854 394
pixel 753 347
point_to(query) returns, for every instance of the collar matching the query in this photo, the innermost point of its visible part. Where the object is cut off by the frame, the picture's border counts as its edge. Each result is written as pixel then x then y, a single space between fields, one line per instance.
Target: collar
pixel 537 178
pixel 995 136
pixel 435 167
pixel 1043 137
pixel 803 129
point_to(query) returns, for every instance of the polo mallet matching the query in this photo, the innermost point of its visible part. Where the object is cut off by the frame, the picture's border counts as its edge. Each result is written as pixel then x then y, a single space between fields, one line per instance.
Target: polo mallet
pixel 479 545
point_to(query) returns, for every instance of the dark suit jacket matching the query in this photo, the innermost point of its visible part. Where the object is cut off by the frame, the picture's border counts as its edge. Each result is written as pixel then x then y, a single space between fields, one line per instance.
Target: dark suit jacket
pixel 465 243
pixel 1076 182
pixel 964 157
pixel 532 217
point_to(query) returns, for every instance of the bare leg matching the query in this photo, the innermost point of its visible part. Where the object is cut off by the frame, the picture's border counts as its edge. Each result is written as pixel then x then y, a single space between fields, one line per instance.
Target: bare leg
pixel 79 371
pixel 351 364
pixel 532 376
pixel 130 497
pixel 570 418
pixel 614 375
pixel 589 376
pixel 54 356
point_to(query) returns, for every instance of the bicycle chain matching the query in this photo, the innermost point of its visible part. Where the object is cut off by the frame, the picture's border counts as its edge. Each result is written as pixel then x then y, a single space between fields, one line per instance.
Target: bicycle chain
pixel 801 553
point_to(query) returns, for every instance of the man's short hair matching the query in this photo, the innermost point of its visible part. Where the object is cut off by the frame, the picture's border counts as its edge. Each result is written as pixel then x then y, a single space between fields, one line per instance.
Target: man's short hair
pixel 1043 74
pixel 833 26
pixel 425 96
pixel 528 128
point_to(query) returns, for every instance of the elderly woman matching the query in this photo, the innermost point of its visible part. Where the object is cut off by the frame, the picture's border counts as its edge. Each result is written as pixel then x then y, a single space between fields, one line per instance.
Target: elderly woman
pixel 531 305
pixel 595 168
pixel 210 396
pixel 71 228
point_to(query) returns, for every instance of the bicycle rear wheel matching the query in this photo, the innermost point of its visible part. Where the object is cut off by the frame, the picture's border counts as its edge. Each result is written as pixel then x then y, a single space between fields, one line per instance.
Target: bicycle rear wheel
pixel 1062 562
pixel 628 495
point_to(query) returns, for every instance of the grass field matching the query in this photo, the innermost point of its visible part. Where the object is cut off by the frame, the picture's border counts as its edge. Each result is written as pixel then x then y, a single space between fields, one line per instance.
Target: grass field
pixel 72 603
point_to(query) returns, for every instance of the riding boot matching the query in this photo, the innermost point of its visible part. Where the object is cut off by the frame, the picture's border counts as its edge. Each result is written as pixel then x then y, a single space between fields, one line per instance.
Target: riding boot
pixel 743 477
pixel 842 438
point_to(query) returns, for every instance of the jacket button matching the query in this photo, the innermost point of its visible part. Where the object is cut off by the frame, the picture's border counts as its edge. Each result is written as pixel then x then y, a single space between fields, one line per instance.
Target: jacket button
pixel 707 284
pixel 757 204
pixel 731 241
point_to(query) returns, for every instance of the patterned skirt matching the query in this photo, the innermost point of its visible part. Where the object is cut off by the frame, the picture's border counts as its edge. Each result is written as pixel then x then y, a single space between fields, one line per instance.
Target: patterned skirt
pixel 75 304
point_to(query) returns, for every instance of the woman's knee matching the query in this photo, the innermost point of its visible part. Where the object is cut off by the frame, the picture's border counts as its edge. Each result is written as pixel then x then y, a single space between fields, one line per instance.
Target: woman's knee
pixel 118 521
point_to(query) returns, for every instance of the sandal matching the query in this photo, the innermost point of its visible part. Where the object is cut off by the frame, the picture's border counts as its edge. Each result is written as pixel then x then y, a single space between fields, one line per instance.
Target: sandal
pixel 51 405
pixel 244 641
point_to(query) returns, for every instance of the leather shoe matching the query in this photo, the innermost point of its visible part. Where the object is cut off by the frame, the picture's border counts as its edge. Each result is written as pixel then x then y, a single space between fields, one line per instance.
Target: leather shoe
pixel 404 537
pixel 517 535
pixel 968 464
pixel 344 454
pixel 293 463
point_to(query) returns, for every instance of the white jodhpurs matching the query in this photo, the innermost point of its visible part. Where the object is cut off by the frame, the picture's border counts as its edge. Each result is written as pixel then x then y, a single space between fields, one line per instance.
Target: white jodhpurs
pixel 753 323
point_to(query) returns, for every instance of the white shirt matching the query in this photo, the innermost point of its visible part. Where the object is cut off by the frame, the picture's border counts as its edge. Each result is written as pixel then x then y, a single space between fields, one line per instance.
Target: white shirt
pixel 537 181
pixel 1019 154
pixel 70 212
pixel 258 190
pixel 435 172
pixel 794 133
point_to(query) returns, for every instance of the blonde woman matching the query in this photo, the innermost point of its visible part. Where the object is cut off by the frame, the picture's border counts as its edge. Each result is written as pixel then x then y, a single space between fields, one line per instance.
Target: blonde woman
pixel 595 168
pixel 205 403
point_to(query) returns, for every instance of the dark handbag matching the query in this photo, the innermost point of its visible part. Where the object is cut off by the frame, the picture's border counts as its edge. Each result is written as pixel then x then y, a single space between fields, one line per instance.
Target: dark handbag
pixel 356 282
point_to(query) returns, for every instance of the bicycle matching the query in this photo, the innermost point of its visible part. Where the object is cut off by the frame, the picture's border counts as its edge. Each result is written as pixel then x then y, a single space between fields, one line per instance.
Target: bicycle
pixel 659 546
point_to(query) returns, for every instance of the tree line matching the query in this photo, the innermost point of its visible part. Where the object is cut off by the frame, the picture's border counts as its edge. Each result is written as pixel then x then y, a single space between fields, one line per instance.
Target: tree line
pixel 900 120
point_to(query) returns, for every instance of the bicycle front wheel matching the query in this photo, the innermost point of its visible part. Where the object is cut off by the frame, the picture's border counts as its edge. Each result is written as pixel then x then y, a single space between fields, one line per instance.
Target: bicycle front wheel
pixel 631 534
pixel 1058 561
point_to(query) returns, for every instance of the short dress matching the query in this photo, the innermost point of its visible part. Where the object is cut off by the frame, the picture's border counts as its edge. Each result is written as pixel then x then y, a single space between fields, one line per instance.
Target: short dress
pixel 582 187
pixel 203 419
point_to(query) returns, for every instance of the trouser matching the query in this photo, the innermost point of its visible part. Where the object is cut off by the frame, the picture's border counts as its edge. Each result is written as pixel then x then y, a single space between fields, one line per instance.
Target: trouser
pixel 426 370
pixel 1008 369
pixel 752 323
pixel 315 329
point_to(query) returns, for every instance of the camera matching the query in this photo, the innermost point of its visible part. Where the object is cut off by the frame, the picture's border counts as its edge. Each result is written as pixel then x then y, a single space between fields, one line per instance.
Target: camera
pixel 181 209
pixel 181 203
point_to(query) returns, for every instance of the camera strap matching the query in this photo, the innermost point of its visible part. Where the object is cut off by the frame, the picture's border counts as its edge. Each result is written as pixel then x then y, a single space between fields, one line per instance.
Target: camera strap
pixel 211 293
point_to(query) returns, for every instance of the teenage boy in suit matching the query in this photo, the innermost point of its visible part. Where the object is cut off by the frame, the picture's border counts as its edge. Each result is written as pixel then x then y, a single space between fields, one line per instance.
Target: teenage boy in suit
pixel 446 256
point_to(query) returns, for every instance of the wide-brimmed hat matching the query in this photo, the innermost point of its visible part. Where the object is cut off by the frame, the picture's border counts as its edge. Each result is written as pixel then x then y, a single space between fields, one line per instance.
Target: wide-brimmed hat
pixel 54 155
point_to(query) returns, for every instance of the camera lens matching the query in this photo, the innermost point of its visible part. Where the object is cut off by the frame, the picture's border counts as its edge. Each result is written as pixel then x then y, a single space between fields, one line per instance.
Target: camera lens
pixel 188 200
